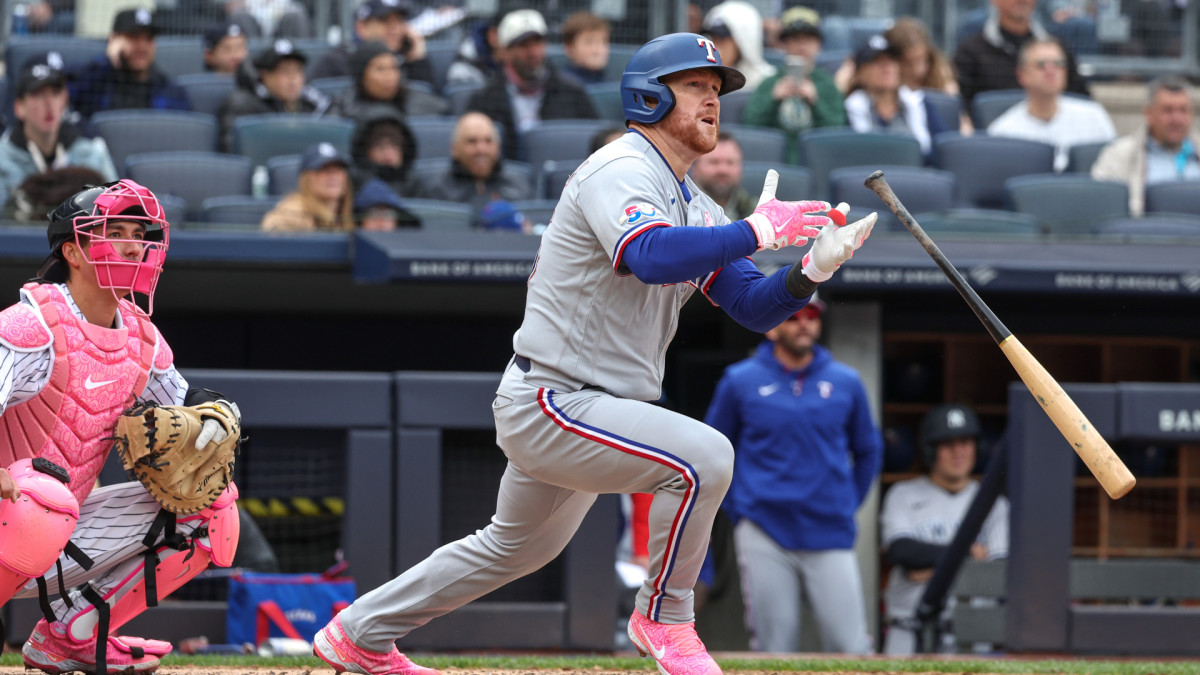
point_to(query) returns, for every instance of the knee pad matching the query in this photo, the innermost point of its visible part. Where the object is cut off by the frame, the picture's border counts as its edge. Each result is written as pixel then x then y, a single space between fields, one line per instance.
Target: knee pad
pixel 35 529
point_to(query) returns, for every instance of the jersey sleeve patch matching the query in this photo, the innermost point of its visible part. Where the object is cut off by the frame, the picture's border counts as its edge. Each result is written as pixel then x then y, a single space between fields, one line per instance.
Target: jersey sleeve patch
pixel 640 217
pixel 22 329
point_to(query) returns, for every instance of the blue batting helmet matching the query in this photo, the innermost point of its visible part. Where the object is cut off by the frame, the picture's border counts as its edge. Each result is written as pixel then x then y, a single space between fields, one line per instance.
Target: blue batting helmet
pixel 660 57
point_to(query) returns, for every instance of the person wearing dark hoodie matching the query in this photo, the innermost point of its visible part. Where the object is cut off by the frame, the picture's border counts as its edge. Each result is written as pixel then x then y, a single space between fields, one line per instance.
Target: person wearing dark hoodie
pixel 477 174
pixel 277 87
pixel 383 148
pixel 797 485
pixel 379 85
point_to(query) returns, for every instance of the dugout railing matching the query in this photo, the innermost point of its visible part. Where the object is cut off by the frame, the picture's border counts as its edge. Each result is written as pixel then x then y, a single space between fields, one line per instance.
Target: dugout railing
pixel 402 490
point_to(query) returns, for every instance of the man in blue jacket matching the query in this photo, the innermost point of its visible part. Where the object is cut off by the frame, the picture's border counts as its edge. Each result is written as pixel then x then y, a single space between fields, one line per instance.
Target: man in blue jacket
pixel 806 452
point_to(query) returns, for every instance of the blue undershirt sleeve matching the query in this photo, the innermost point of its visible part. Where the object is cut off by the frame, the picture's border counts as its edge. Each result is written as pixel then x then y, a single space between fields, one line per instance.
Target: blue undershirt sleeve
pixel 758 302
pixel 672 255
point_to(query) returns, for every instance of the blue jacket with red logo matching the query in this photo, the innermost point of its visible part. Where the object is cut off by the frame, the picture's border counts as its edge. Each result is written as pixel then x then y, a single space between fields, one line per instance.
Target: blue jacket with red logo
pixel 805 447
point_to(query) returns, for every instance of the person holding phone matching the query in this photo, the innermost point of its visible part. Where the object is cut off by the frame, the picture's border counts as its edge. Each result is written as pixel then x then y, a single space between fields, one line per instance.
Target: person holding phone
pixel 799 96
pixel 385 21
pixel 125 75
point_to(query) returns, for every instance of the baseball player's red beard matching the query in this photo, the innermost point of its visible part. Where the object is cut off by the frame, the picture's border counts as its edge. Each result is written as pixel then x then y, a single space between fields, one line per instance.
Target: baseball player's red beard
pixel 695 132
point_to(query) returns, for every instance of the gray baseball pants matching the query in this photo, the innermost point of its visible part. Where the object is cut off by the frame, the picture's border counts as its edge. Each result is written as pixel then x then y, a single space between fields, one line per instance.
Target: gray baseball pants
pixel 564 447
pixel 776 581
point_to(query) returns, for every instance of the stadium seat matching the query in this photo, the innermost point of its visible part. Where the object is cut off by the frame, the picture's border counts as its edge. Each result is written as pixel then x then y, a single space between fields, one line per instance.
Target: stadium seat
pixel 206 91
pixel 5 117
pixel 76 51
pixel 283 174
pixel 241 210
pixel 1172 225
pixel 823 150
pixel 1067 203
pixel 174 209
pixel 333 87
pixel 441 54
pixel 559 139
pixel 441 216
pixel 1082 157
pixel 795 182
pixel 1174 197
pixel 831 60
pixel 759 144
pixel 132 132
pixel 459 95
pixel 192 176
pixel 991 222
pixel 261 137
pixel 179 55
pixel 618 58
pixel 988 105
pixel 948 107
pixel 553 177
pixel 982 163
pixel 606 99
pixel 733 105
pixel 919 188
pixel 537 211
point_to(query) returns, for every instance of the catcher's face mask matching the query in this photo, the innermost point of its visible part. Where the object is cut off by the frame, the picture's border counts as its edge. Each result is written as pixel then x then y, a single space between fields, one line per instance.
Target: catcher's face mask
pixel 125 237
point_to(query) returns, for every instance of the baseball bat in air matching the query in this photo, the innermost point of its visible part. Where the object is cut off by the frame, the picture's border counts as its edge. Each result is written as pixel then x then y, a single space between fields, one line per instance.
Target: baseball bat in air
pixel 1104 464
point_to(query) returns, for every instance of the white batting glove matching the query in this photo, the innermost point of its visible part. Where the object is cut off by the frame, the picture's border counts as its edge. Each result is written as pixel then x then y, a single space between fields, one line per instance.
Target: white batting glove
pixel 212 430
pixel 777 224
pixel 835 245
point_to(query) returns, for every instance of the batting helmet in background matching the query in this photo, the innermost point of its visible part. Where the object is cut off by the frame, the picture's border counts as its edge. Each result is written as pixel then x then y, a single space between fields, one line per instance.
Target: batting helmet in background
pixel 943 423
pixel 663 56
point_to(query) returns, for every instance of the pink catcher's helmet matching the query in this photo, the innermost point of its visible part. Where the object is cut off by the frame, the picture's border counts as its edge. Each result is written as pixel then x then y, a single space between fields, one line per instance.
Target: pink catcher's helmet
pixel 84 219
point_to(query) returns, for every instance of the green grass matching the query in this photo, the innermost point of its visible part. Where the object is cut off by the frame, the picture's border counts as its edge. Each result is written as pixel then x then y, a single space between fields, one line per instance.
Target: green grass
pixel 732 664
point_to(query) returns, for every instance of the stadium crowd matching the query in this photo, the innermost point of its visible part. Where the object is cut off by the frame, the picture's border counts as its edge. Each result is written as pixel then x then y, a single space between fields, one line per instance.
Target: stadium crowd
pixel 249 88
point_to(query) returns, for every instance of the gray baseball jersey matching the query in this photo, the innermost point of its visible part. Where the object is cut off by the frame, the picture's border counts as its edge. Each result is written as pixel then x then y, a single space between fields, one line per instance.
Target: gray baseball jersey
pixel 919 509
pixel 582 320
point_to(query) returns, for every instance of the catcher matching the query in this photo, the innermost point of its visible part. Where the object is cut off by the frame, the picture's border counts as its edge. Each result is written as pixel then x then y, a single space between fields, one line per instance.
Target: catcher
pixel 82 369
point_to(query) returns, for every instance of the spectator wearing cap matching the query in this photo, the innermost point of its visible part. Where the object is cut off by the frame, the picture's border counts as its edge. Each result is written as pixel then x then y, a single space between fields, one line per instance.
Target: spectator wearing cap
pixel 586 42
pixel 736 29
pixel 383 147
pixel 280 88
pixel 879 102
pixel 49 16
pixel 40 141
pixel 324 198
pixel 385 21
pixel 987 60
pixel 800 96
pixel 527 89
pixel 378 208
pixel 477 174
pixel 379 84
pixel 224 48
pixel 125 75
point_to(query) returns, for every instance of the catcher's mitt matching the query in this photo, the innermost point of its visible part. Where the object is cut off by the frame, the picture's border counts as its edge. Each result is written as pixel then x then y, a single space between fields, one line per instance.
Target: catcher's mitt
pixel 158 445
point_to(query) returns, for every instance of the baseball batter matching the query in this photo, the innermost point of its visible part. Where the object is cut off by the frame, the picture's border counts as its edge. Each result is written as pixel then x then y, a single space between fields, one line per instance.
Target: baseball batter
pixel 74 353
pixel 920 516
pixel 631 240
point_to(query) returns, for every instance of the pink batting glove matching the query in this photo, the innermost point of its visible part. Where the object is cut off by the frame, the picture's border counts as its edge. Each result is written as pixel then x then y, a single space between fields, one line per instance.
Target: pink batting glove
pixel 777 224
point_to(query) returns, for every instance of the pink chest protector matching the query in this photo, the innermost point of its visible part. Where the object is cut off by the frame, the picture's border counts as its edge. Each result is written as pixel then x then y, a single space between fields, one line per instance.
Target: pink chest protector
pixel 97 372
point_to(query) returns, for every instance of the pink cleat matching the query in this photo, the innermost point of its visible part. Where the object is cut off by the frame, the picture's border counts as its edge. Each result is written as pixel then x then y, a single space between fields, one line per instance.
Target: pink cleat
pixel 676 648
pixel 333 647
pixel 50 649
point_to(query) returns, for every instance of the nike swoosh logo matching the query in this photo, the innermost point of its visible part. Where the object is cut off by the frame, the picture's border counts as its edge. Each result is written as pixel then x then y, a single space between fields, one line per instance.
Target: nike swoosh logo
pixel 767 390
pixel 89 384
pixel 659 652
